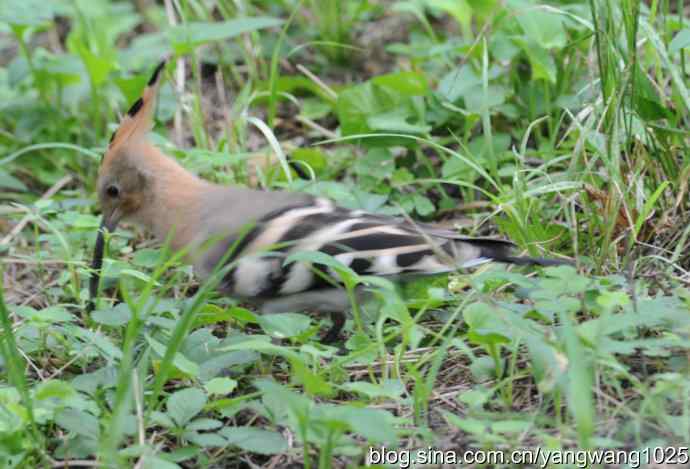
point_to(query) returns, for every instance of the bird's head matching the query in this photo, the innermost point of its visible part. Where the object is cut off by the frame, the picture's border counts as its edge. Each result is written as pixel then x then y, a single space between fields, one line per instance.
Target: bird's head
pixel 124 179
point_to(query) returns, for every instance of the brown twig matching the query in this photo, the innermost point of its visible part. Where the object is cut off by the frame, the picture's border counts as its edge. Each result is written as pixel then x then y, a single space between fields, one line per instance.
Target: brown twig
pixel 332 94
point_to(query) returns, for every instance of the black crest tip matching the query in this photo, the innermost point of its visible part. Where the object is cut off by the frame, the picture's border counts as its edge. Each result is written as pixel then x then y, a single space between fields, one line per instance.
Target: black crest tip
pixel 156 73
pixel 135 107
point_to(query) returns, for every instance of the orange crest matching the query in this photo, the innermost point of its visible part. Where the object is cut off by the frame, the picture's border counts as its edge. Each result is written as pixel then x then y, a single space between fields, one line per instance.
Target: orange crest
pixel 139 118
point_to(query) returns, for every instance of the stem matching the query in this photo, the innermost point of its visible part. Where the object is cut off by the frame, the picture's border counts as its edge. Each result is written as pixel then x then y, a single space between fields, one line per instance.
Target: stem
pixel 355 306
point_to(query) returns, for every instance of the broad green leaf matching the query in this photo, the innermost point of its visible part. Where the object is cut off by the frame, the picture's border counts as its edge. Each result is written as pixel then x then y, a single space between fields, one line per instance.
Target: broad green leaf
pixel 541 26
pixel 548 364
pixel 502 47
pixel 680 41
pixel 375 425
pixel 145 50
pixel 25 12
pixel 105 377
pixel 203 424
pixel 457 169
pixel 609 300
pixel 541 60
pixel 206 440
pixel 483 7
pixel 403 83
pixel 480 147
pixel 562 280
pixel 475 398
pixel 456 83
pixel 81 220
pixel 468 425
pixel 213 314
pixel 647 101
pixel 99 67
pixel 162 419
pixel 65 69
pixel 180 362
pixel 347 195
pixel 284 325
pixel 476 102
pixel 390 388
pixel 221 386
pixel 511 426
pixel 147 257
pixel 398 120
pixel 51 314
pixel 369 107
pixel 182 406
pixel 115 316
pixel 10 182
pixel 282 401
pixel 356 104
pixel 316 108
pixel 313 382
pixel 131 87
pixel 54 388
pixel 316 159
pixel 255 440
pixel 295 84
pixel 180 454
pixel 485 326
pixel 155 462
pixel 138 275
pixel 378 163
pixel 78 422
pixel 10 422
pixel 241 314
pixel 580 383
pixel 412 7
pixel 458 9
pixel 423 205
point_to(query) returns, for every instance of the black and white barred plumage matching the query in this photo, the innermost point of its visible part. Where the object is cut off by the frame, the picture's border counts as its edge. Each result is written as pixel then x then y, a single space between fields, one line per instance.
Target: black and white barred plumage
pixel 368 244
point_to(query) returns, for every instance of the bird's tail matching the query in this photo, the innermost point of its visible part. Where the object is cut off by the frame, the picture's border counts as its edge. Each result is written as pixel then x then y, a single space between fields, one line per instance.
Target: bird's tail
pixel 502 251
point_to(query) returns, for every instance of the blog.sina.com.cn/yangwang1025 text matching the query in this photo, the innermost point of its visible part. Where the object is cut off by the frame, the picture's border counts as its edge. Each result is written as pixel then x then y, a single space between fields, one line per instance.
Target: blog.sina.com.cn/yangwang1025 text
pixel 539 457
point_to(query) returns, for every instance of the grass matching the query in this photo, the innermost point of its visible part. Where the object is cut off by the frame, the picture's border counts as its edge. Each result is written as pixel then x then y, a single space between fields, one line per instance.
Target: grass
pixel 559 125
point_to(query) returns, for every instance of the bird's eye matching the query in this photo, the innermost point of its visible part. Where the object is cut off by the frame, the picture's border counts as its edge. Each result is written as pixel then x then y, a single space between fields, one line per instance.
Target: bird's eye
pixel 113 191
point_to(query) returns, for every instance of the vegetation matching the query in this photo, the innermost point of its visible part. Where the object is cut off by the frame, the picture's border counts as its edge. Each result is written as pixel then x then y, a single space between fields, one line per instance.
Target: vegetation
pixel 562 125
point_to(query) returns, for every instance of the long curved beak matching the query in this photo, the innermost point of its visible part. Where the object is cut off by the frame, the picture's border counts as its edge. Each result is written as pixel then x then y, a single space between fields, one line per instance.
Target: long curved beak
pixel 110 220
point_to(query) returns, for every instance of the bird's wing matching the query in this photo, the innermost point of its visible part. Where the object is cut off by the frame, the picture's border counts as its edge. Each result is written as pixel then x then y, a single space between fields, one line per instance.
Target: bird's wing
pixel 366 243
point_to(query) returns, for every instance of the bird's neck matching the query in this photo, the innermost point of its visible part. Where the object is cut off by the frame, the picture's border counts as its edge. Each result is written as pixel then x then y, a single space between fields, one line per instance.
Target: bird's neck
pixel 176 201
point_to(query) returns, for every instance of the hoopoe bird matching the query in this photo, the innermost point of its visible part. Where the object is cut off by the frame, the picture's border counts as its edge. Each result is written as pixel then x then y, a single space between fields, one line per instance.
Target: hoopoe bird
pixel 139 183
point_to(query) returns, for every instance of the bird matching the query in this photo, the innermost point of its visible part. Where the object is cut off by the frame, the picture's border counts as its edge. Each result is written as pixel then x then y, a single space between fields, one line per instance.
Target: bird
pixel 138 183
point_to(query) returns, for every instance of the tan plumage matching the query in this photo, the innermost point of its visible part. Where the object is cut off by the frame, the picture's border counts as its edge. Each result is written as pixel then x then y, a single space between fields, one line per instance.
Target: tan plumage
pixel 138 182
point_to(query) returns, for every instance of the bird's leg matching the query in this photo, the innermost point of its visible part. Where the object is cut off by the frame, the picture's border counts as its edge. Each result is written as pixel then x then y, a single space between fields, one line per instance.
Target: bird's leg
pixel 328 300
pixel 333 334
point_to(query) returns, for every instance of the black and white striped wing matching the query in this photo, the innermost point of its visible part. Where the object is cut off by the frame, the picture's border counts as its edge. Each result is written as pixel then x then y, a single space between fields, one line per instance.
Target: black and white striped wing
pixel 368 244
